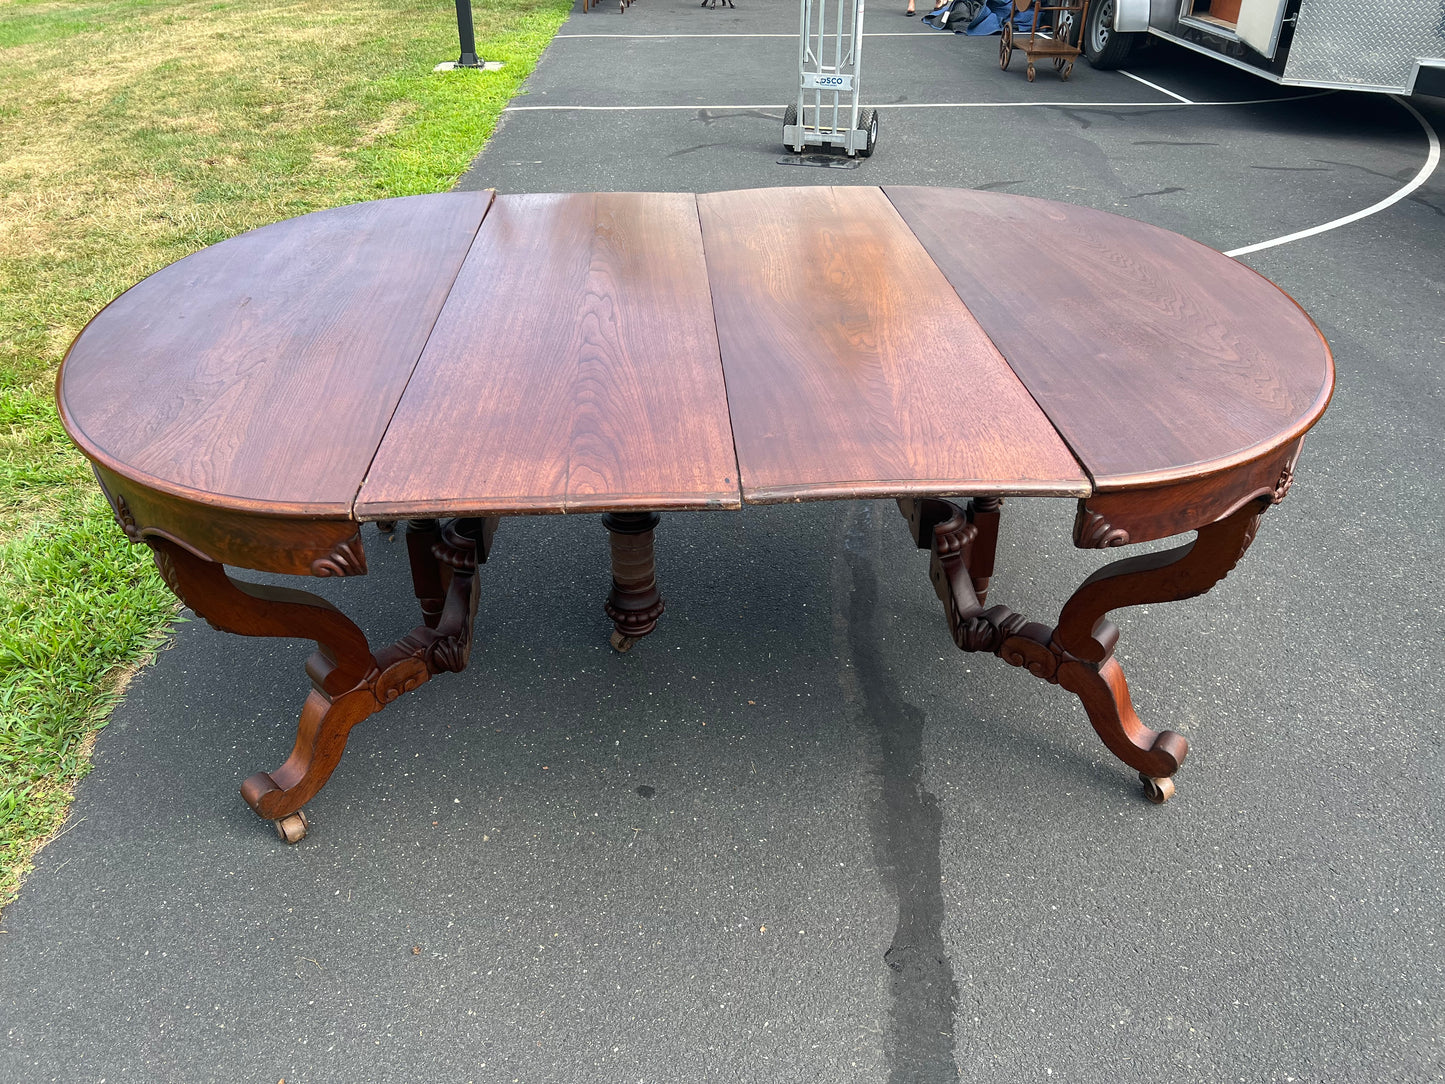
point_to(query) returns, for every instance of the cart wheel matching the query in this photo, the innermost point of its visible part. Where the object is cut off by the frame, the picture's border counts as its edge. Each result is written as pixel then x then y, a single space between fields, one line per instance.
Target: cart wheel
pixel 1058 63
pixel 1031 72
pixel 790 118
pixel 1065 28
pixel 1067 71
pixel 1157 791
pixel 1006 47
pixel 868 122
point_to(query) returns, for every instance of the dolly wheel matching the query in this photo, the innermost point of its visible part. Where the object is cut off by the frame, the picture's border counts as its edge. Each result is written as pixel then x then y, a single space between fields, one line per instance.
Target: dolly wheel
pixel 868 122
pixel 790 118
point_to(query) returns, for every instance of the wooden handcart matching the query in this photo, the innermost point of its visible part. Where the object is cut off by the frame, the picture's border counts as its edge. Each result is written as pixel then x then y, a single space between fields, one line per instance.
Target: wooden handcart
pixel 1055 42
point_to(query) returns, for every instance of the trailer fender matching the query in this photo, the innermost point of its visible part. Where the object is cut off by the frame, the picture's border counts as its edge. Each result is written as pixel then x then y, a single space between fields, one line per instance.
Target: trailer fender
pixel 1131 16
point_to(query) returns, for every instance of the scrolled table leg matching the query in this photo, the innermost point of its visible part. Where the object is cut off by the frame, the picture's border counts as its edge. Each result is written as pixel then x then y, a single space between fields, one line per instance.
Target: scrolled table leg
pixel 1078 653
pixel 349 681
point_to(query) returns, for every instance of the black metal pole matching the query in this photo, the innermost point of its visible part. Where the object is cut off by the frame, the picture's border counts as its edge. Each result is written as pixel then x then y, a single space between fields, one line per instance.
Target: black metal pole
pixel 468 37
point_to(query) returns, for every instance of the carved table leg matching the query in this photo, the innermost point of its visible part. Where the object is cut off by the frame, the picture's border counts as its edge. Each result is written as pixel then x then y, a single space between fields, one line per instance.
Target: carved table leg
pixel 634 603
pixel 982 516
pixel 1078 653
pixel 983 513
pixel 427 577
pixel 433 549
pixel 349 681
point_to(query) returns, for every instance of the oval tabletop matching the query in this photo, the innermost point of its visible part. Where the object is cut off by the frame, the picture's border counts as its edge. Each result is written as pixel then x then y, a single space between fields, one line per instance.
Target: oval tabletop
pixel 465 354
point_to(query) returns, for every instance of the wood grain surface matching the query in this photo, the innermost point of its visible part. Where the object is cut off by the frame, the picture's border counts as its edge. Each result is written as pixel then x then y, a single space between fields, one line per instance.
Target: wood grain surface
pixel 574 368
pixel 261 372
pixel 568 353
pixel 1156 357
pixel 852 368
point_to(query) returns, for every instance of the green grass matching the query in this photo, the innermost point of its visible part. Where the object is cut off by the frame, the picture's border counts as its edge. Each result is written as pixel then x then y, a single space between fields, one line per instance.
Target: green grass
pixel 131 133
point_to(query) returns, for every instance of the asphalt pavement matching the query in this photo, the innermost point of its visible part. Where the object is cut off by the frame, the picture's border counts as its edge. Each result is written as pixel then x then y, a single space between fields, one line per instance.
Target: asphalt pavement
pixel 795 835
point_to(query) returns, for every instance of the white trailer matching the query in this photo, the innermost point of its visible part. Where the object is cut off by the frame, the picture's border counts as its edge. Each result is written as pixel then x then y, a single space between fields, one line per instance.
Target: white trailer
pixel 1394 48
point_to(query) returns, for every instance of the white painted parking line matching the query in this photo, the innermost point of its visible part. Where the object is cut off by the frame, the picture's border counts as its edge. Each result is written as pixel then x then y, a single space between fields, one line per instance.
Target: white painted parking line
pixel 1032 103
pixel 658 37
pixel 1156 86
pixel 1432 159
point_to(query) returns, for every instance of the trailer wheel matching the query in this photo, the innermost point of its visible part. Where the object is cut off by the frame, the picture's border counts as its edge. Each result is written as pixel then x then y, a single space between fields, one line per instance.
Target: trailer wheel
pixel 868 122
pixel 790 117
pixel 1104 47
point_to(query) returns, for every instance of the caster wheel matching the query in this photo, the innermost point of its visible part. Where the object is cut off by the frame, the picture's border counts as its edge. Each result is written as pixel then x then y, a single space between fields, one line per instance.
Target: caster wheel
pixel 1031 73
pixel 622 642
pixel 292 828
pixel 1058 63
pixel 1067 70
pixel 1157 791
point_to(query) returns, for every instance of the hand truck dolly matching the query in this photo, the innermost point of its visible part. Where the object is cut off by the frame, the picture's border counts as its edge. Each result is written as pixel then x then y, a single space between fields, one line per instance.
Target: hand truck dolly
pixel 828 82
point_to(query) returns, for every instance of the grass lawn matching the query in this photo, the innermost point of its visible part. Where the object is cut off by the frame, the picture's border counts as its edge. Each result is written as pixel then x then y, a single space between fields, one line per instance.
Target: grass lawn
pixel 131 133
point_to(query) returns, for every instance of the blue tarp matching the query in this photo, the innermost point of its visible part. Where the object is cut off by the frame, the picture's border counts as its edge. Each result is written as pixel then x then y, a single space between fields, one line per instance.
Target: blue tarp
pixel 990 17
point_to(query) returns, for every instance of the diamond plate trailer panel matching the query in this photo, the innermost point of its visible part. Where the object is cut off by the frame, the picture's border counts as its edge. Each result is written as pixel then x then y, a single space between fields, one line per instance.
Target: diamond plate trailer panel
pixel 1369 46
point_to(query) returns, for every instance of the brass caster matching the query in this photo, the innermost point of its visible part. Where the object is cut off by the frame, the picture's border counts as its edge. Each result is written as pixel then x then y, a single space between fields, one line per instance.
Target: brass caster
pixel 292 827
pixel 1158 790
pixel 622 642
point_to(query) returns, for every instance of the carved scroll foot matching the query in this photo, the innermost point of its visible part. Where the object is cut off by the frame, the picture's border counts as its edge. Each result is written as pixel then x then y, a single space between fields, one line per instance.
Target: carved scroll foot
pixel 1105 696
pixel 1078 654
pixel 634 604
pixel 320 741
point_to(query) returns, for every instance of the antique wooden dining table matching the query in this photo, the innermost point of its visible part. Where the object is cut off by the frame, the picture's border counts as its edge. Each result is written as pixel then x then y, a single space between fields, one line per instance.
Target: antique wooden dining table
pixel 455 359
